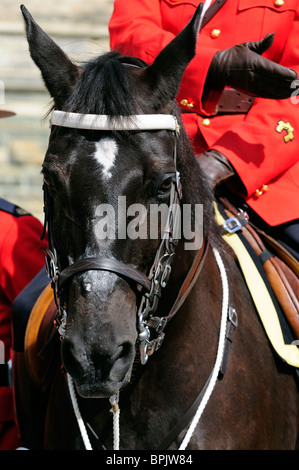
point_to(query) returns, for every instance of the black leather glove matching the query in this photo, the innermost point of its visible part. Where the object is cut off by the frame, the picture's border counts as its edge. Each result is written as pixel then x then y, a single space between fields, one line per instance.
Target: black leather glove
pixel 216 167
pixel 242 67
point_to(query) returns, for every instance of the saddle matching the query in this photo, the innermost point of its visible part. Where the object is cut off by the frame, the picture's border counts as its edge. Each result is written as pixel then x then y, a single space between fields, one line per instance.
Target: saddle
pixel 41 342
pixel 280 267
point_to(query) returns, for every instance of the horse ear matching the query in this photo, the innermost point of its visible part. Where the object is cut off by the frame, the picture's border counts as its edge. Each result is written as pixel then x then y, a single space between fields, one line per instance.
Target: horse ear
pixel 165 74
pixel 58 71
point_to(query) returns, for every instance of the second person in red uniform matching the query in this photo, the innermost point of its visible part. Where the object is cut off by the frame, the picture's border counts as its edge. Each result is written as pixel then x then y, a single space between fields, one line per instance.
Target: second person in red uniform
pixel 20 260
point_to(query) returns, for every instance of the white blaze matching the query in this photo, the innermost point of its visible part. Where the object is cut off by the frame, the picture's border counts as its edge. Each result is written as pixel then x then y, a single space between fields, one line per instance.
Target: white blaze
pixel 105 154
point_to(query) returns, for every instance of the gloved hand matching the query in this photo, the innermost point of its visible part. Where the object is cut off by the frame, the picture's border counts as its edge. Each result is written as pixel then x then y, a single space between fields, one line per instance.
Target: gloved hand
pixel 216 167
pixel 242 67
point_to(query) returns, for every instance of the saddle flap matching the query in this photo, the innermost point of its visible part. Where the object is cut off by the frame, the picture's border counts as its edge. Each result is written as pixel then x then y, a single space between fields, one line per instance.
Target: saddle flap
pixel 273 319
pixel 281 269
pixel 41 340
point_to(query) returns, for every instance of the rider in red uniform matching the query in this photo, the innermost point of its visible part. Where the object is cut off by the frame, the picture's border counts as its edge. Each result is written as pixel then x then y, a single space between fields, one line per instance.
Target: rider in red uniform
pixel 20 261
pixel 254 139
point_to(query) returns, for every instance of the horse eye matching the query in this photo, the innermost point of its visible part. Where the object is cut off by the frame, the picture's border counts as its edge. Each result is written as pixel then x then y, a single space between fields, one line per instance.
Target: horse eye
pixel 48 184
pixel 166 185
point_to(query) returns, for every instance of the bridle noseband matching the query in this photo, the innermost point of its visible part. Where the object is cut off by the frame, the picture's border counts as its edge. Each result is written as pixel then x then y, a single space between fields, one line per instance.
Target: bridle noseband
pixel 151 286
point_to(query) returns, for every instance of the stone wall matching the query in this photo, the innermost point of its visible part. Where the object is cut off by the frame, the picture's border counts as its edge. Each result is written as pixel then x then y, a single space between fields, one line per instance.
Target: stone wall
pixel 80 28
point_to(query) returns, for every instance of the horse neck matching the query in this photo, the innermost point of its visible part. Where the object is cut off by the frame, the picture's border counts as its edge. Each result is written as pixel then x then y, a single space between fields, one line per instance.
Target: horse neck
pixel 185 270
pixel 175 374
pixel 201 309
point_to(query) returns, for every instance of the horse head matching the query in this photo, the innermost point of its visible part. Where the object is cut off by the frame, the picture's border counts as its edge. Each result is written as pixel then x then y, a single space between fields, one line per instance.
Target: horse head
pixel 96 180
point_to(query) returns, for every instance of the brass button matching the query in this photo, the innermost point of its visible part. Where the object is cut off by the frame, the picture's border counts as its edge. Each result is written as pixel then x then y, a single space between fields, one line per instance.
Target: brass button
pixel 279 3
pixel 215 33
pixel 261 191
pixel 188 103
pixel 206 122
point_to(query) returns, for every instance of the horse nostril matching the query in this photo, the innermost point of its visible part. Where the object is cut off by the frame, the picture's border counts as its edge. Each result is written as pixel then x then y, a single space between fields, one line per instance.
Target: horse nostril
pixel 123 350
pixel 121 362
pixel 120 354
pixel 102 357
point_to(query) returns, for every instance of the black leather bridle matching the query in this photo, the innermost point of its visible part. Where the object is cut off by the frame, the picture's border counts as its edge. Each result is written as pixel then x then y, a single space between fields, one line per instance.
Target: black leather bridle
pixel 150 286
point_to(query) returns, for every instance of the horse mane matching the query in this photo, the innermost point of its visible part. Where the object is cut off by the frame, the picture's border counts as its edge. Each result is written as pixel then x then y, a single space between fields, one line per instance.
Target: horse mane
pixel 196 189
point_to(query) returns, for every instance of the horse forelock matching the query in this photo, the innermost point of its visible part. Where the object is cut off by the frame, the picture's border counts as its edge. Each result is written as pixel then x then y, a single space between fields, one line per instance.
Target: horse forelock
pixel 106 87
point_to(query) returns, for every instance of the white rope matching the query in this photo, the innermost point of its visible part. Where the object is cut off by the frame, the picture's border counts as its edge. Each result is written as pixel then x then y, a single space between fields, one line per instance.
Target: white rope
pixel 116 415
pixel 80 421
pixel 219 357
pixel 114 409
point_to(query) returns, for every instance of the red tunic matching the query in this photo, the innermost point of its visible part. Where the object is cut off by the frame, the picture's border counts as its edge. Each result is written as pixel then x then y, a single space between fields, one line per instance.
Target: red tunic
pixel 20 260
pixel 260 154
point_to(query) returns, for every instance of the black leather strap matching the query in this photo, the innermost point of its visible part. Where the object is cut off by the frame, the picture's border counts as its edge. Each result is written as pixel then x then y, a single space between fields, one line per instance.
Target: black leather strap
pixel 264 256
pixel 105 264
pixel 185 419
pixel 4 375
pixel 234 102
pixel 211 11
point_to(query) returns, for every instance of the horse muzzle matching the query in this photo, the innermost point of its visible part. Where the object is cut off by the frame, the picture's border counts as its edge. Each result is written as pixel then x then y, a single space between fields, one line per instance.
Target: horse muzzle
pixel 102 376
pixel 98 348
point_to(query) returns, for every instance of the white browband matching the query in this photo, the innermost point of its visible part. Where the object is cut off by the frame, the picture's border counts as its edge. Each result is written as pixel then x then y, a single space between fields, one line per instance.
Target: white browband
pixel 143 122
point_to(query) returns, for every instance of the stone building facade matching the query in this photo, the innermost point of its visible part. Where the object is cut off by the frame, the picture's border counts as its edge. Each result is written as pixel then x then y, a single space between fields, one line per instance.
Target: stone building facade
pixel 80 28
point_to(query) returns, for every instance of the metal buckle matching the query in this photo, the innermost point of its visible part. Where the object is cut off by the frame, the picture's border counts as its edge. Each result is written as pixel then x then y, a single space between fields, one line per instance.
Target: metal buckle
pixel 154 344
pixel 179 185
pixel 232 225
pixel 51 267
pixel 143 338
pixel 161 325
pixel 232 316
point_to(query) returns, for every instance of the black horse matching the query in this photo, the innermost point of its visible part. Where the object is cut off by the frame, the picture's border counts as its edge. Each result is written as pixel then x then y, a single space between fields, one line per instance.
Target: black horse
pixel 109 148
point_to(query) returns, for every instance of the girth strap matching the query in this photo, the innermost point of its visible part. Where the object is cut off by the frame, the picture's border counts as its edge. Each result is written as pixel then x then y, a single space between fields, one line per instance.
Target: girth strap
pixel 105 264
